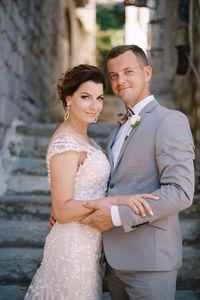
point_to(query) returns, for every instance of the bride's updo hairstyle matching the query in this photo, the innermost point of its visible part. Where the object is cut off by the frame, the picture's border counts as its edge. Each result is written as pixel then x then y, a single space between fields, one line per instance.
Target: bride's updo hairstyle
pixel 73 78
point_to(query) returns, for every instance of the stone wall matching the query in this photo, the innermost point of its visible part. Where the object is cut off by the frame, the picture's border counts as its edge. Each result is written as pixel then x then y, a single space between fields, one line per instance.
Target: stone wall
pixel 162 53
pixel 186 86
pixel 28 46
pixel 176 77
pixel 38 41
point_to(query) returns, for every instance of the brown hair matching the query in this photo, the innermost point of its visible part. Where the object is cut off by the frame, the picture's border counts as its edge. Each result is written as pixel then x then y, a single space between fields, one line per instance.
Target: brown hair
pixel 73 78
pixel 139 53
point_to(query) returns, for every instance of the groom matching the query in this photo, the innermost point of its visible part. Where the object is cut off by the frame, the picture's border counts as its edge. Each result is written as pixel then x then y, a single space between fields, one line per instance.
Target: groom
pixel 143 254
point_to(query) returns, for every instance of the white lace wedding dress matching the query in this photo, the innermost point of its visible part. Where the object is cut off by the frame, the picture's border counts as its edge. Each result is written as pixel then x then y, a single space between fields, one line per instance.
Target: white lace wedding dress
pixel 70 267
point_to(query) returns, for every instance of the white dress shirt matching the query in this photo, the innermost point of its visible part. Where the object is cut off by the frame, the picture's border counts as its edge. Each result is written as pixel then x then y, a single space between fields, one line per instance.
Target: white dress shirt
pixel 116 148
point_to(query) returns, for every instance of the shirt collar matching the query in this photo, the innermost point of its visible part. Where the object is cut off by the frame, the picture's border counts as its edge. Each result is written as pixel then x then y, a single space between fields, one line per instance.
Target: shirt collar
pixel 140 105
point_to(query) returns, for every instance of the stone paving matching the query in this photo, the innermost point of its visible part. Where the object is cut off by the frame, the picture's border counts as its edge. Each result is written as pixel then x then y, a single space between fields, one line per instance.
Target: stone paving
pixel 180 295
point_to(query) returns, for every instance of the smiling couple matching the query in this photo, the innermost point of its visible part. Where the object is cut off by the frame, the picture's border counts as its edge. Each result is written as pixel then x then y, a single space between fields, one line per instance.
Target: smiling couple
pixel 133 196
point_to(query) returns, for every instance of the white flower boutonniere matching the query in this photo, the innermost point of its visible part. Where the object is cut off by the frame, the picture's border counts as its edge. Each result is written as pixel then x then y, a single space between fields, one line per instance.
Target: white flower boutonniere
pixel 134 120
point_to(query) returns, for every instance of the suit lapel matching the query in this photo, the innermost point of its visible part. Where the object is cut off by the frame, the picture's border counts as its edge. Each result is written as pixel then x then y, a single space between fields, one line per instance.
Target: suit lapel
pixel 144 113
pixel 111 139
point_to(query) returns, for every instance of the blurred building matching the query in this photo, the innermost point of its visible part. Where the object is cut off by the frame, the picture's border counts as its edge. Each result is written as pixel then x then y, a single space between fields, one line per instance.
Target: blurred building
pixel 38 41
pixel 136 27
pixel 173 45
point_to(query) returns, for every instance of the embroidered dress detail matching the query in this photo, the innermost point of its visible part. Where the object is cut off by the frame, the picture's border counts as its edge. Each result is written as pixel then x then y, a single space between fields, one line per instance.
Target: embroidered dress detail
pixel 70 267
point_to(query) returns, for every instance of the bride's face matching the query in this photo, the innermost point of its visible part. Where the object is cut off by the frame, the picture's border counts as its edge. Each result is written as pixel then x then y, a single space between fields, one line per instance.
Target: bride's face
pixel 87 102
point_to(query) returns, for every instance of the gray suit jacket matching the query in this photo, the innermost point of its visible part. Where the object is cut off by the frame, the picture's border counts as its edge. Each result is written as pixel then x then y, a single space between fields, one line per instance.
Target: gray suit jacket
pixel 156 158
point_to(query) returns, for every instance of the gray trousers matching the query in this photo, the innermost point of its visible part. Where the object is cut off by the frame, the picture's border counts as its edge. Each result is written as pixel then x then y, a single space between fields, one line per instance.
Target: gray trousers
pixel 128 285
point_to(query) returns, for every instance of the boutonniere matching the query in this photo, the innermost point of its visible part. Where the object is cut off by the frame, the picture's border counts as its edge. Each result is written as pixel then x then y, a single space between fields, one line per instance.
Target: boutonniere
pixel 134 121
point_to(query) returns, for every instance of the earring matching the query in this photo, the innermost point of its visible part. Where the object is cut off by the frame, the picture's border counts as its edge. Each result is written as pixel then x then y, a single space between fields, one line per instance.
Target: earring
pixel 66 115
pixel 96 120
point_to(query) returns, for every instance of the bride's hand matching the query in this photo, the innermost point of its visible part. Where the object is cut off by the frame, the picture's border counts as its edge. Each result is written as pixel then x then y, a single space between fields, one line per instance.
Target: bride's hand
pixel 138 203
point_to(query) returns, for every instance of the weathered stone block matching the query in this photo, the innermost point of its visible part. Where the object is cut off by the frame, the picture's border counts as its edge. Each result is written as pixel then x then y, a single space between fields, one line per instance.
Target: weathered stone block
pixel 190 229
pixel 14 292
pixel 33 146
pixel 28 184
pixel 4 84
pixel 8 52
pixel 15 14
pixel 189 273
pixel 23 234
pixel 21 46
pixel 10 29
pixel 185 295
pixel 18 265
pixel 25 199
pixel 26 212
pixel 31 166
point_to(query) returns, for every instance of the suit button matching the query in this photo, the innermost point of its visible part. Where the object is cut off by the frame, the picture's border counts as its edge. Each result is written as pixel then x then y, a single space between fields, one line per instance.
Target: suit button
pixel 112 185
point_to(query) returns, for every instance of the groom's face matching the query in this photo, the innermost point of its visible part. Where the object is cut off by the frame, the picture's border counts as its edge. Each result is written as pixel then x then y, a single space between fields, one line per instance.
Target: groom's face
pixel 129 78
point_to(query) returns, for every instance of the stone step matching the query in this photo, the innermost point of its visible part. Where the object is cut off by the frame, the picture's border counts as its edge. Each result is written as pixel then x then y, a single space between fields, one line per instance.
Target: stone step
pixel 18 265
pixel 190 229
pixel 28 184
pixel 180 295
pixel 34 213
pixel 17 292
pixel 24 212
pixel 30 146
pixel 12 199
pixel 12 285
pixel 15 200
pixel 35 138
pixel 23 233
pixel 37 208
pixel 33 234
pixel 186 295
pixel 192 211
pixel 12 292
pixel 25 166
pixel 36 129
pixel 47 129
pixel 30 166
pixel 189 273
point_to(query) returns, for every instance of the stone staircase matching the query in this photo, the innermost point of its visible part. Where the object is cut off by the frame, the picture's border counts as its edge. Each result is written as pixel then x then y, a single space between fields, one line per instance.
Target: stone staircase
pixel 25 208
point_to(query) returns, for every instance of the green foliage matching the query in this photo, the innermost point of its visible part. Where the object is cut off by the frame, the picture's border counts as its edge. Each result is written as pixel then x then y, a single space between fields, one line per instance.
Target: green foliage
pixel 108 39
pixel 104 42
pixel 110 20
pixel 110 17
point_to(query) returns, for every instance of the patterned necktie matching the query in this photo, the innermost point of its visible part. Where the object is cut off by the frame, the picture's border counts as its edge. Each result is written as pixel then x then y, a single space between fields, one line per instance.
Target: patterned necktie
pixel 122 118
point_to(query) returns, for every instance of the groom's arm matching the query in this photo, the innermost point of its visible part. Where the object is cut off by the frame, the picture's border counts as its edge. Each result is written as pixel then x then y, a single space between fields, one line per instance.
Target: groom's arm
pixel 174 154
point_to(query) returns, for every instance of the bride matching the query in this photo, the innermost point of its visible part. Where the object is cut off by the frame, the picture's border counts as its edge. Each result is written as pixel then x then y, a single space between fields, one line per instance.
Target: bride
pixel 78 171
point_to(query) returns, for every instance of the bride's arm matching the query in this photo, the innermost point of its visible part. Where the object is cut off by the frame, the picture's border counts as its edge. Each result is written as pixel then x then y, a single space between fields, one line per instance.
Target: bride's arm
pixel 63 169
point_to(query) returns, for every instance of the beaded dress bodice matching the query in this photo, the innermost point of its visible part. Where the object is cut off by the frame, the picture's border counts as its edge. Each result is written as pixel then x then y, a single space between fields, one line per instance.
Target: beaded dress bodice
pixel 92 175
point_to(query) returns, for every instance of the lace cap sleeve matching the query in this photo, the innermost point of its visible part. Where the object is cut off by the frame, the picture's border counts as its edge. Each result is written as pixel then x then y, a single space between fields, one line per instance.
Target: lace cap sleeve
pixel 61 145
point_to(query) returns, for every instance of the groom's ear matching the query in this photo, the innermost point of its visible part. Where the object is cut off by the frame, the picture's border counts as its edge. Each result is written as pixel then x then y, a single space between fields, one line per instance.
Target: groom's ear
pixel 148 73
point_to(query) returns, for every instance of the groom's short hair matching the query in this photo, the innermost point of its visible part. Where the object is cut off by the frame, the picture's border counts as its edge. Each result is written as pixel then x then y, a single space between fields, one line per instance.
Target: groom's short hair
pixel 139 53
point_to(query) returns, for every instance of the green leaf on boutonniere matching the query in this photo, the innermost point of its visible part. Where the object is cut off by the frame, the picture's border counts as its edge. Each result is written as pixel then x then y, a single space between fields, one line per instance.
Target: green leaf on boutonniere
pixel 126 137
pixel 134 125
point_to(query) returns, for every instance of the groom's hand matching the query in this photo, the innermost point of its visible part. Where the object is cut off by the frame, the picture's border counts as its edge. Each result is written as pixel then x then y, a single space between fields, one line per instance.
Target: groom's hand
pixel 100 218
